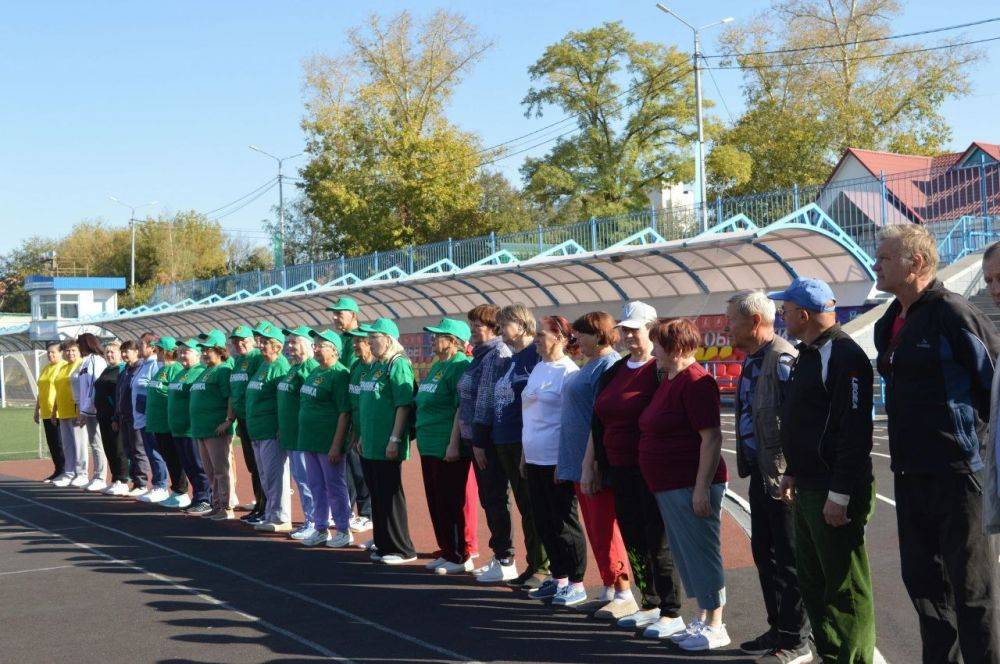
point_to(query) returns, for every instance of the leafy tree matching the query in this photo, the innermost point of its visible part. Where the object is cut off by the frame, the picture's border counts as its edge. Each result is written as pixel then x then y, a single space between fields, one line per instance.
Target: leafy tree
pixel 873 95
pixel 33 256
pixel 633 103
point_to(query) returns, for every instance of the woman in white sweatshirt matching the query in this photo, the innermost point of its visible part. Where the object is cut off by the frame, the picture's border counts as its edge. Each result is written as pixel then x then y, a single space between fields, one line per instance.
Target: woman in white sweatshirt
pixel 91 366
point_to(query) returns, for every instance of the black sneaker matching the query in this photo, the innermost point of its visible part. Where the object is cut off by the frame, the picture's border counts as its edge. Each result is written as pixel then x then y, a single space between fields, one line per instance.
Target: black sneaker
pixel 252 514
pixel 762 645
pixel 198 509
pixel 254 520
pixel 525 578
pixel 799 655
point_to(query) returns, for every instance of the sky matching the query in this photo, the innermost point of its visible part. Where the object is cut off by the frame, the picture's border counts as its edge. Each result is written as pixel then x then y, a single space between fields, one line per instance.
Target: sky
pixel 158 101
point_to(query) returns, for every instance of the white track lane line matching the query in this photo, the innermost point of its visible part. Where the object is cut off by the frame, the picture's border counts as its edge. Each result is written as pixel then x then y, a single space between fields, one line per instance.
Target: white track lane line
pixel 325 652
pixel 257 582
pixel 37 569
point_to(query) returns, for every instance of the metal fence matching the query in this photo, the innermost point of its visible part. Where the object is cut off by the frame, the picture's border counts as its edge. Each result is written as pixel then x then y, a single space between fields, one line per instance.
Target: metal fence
pixel 961 205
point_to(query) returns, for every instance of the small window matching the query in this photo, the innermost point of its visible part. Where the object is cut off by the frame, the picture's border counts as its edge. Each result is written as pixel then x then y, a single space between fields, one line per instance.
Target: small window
pixel 69 306
pixel 47 306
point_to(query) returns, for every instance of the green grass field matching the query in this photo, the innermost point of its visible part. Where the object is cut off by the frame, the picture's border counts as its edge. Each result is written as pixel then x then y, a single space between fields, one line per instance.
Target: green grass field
pixel 18 434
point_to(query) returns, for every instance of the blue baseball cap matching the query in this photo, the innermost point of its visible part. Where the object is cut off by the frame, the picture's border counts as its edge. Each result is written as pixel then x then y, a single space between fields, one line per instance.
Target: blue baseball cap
pixel 808 293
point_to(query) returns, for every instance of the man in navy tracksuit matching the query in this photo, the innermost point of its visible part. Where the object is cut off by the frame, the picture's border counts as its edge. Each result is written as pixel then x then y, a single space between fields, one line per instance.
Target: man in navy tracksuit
pixel 936 353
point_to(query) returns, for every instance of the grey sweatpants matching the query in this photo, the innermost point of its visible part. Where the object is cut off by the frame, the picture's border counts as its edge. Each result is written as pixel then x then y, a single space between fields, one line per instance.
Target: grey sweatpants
pixel 73 438
pixel 275 479
pixel 96 448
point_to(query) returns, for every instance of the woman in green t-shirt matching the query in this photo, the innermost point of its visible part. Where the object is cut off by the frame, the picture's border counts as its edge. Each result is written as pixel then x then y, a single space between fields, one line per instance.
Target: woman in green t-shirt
pixel 156 421
pixel 179 423
pixel 384 407
pixel 445 475
pixel 300 348
pixel 361 498
pixel 324 417
pixel 210 425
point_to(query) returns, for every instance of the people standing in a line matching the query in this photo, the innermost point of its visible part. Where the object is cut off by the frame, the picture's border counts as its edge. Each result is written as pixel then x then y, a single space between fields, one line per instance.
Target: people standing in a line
pixel 826 436
pixel 595 334
pixel 346 323
pixel 158 423
pixel 91 366
pixel 246 361
pixel 262 424
pixel 105 403
pixel 44 403
pixel 553 500
pixel 612 460
pixel 72 434
pixel 680 455
pixel 496 443
pixel 936 353
pixel 444 468
pixel 131 437
pixel 148 366
pixel 760 393
pixel 300 349
pixel 188 355
pixel 211 424
pixel 384 408
pixel 324 422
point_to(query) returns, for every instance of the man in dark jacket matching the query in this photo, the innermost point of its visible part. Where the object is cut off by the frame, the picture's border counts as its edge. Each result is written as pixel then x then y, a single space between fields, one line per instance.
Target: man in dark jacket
pixel 936 353
pixel 826 437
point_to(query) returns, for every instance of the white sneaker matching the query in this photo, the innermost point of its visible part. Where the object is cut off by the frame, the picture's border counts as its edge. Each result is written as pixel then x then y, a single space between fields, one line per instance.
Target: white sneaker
pixel 62 481
pixel 80 481
pixel 396 559
pixel 640 619
pixel 664 628
pixel 360 524
pixel 434 564
pixel 693 628
pixel 707 638
pixel 155 496
pixel 341 539
pixel 138 491
pixel 454 568
pixel 303 533
pixel 317 537
pixel 499 573
pixel 485 568
pixel 96 484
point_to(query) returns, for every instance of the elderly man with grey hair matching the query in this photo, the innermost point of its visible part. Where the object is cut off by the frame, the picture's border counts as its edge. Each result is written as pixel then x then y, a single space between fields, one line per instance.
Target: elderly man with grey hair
pixel 759 395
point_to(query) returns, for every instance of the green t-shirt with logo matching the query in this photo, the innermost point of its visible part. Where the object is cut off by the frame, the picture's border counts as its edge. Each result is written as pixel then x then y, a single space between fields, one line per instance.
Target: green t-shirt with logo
pixel 156 398
pixel 179 401
pixel 358 373
pixel 436 403
pixel 210 400
pixel 387 386
pixel 322 398
pixel 244 367
pixel 288 402
pixel 262 399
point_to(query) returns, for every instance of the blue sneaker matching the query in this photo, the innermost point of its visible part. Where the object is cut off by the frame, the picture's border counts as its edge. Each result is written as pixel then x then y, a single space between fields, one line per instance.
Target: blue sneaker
pixel 545 591
pixel 570 595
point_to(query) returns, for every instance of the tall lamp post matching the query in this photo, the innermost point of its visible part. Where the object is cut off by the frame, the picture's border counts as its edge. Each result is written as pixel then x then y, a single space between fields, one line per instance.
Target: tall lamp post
pixel 700 149
pixel 281 199
pixel 131 222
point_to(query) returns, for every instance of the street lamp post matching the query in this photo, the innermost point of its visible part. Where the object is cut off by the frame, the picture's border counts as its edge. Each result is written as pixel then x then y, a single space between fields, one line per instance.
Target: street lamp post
pixel 281 199
pixel 700 149
pixel 131 222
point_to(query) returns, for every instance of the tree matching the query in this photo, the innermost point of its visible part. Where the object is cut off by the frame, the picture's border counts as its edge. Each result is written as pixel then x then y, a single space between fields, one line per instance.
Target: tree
pixel 388 169
pixel 875 95
pixel 33 256
pixel 634 107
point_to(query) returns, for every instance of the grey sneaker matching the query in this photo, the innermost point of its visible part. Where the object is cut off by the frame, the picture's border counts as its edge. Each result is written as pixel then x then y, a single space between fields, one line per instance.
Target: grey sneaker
pixel 800 655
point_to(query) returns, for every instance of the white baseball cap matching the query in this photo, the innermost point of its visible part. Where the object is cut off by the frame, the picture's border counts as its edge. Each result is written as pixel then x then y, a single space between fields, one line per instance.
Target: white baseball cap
pixel 636 315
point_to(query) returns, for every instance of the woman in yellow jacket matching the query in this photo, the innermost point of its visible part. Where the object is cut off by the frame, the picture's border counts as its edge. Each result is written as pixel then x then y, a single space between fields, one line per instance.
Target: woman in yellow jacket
pixel 43 409
pixel 72 434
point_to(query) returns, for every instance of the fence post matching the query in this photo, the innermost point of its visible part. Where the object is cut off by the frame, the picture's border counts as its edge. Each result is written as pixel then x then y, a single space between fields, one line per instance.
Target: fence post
pixel 451 250
pixel 718 210
pixel 260 287
pixel 343 266
pixel 983 205
pixel 593 234
pixel 376 263
pixel 881 179
pixel 541 244
pixel 312 271
pixel 409 252
pixel 795 196
pixel 493 242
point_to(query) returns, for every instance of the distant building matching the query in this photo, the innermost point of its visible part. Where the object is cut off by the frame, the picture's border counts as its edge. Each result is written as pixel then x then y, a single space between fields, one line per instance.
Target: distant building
pixel 56 301
pixel 671 196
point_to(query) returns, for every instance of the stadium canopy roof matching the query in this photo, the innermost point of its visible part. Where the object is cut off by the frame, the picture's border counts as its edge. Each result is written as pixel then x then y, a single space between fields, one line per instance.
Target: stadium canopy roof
pixel 680 278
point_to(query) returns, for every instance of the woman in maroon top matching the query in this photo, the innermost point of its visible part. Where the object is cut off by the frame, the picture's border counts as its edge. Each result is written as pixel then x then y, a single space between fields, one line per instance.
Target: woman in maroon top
pixel 612 456
pixel 680 446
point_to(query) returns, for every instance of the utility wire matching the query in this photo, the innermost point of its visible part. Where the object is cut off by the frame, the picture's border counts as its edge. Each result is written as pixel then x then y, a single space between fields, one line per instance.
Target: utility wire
pixel 272 181
pixel 722 97
pixel 247 202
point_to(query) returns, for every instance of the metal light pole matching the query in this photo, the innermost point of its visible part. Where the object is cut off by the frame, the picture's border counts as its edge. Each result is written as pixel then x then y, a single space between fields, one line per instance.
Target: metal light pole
pixel 281 199
pixel 131 222
pixel 700 148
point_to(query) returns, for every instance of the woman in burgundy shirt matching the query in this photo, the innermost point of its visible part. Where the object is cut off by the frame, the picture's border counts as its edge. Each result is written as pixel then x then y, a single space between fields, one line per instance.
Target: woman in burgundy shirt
pixel 612 455
pixel 680 446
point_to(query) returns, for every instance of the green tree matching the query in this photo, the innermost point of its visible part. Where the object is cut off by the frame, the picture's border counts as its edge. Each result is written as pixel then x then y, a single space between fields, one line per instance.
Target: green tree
pixel 873 95
pixel 33 256
pixel 633 103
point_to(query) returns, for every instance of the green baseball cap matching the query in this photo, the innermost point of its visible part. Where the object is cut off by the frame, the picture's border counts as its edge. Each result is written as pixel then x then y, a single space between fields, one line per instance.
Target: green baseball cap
pixel 241 332
pixel 269 330
pixel 213 339
pixel 383 326
pixel 192 343
pixel 344 304
pixel 300 331
pixel 456 328
pixel 331 336
pixel 360 331
pixel 166 343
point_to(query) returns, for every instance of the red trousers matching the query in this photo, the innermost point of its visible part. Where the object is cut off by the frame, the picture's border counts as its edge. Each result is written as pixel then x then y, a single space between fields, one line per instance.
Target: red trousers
pixel 452 499
pixel 598 512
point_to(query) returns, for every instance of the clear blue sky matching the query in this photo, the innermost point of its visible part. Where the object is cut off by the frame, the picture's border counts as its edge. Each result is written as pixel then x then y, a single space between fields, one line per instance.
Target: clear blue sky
pixel 159 100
